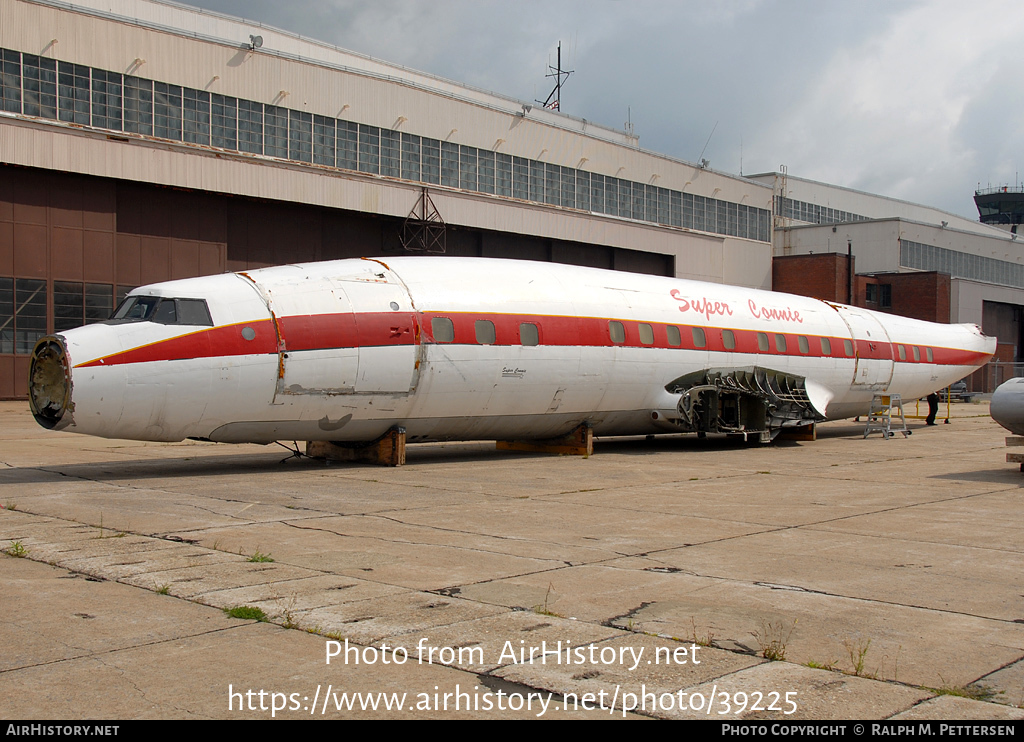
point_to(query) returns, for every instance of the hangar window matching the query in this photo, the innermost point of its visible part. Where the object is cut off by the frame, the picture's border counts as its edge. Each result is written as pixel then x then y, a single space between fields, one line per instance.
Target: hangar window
pixel 442 329
pixel 528 334
pixel 275 141
pixel 138 106
pixel 536 181
pixel 567 197
pixel 449 164
pixel 885 296
pixel 928 355
pixel 76 304
pixel 390 153
pixel 503 174
pixel 917 352
pixel 223 121
pixel 484 331
pixel 583 190
pixel 106 100
pixel 468 168
pixel 22 314
pixel 196 114
pixel 597 193
pixel 902 352
pixel 485 163
pixel 324 141
pixel 347 145
pixel 729 339
pixel 73 94
pixel 6 315
pixel 762 342
pixel 674 338
pixel 826 347
pixel 699 338
pixel 520 178
pixel 410 157
pixel 167 111
pixel 10 81
pixel 616 332
pixel 848 347
pixel 646 334
pixel 780 343
pixel 552 184
pixel 431 160
pixel 369 149
pixel 300 136
pixel 250 127
pixel 805 347
pixel 40 81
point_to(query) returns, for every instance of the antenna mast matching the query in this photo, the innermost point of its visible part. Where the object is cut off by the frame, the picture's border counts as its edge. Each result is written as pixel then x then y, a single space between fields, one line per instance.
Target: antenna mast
pixel 554 99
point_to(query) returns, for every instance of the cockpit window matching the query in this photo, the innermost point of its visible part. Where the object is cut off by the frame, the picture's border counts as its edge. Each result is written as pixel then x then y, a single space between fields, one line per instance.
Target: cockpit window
pixel 163 311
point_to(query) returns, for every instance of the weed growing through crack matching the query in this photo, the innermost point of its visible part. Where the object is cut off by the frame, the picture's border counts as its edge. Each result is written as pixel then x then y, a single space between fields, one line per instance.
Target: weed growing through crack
pixel 164 589
pixel 976 692
pixel 773 639
pixel 701 640
pixel 543 609
pixel 16 549
pixel 830 665
pixel 246 612
pixel 259 556
pixel 858 652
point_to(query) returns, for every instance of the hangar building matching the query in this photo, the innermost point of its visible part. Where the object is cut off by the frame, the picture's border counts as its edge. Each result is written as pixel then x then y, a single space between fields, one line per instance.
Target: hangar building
pixel 142 141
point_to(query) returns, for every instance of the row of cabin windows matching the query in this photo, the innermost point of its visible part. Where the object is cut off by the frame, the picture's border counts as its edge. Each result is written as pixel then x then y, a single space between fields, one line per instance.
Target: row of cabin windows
pixel 444 332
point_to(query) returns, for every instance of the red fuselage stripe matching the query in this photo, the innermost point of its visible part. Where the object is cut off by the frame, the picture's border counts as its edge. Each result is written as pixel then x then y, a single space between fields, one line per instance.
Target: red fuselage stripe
pixel 375 329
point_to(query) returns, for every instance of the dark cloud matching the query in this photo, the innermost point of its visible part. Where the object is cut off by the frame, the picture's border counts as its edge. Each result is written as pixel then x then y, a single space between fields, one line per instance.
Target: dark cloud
pixel 899 98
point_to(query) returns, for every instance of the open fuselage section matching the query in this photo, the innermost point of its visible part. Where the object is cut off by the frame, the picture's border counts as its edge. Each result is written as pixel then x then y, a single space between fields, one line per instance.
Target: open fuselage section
pixel 453 348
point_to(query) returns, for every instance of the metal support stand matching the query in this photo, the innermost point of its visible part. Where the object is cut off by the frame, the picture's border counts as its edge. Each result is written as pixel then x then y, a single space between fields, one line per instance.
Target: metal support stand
pixel 886 416
pixel 1015 457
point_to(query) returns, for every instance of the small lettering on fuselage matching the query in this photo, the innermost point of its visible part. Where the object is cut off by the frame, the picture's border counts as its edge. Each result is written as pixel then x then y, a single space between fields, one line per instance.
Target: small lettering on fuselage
pixel 774 313
pixel 701 305
pixel 512 372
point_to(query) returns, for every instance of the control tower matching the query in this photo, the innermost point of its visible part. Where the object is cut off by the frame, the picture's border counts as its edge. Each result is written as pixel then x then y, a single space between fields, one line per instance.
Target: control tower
pixel 1001 207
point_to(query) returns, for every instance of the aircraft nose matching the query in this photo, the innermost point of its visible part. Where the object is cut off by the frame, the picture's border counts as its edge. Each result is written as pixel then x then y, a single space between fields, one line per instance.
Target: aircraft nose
pixel 49 383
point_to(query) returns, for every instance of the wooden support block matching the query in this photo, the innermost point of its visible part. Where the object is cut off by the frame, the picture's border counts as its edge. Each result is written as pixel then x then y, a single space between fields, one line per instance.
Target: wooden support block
pixel 1015 458
pixel 388 450
pixel 799 433
pixel 1015 440
pixel 578 442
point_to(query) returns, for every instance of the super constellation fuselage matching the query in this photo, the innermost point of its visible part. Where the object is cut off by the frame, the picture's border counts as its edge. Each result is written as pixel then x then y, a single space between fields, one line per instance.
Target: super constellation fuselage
pixel 453 348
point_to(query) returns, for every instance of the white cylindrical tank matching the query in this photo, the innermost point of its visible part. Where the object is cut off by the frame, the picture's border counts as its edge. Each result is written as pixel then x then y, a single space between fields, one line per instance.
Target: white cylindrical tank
pixel 1007 407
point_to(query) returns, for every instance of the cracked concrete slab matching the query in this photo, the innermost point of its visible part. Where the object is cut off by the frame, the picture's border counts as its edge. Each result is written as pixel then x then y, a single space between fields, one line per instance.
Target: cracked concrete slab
pixel 904 549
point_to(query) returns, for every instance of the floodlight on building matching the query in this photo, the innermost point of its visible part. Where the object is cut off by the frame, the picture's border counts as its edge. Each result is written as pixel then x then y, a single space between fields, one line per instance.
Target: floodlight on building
pixel 945 224
pixel 255 42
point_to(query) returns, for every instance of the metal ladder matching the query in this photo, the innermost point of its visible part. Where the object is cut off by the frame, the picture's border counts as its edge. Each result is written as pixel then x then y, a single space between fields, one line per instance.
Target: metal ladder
pixel 880 419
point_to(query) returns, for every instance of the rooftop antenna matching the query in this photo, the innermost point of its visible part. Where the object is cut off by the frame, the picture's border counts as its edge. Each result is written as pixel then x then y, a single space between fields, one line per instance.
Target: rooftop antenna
pixel 704 163
pixel 554 99
pixel 629 121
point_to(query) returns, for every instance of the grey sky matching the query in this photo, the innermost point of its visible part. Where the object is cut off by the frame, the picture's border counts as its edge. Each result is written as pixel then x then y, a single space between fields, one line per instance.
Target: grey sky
pixel 915 100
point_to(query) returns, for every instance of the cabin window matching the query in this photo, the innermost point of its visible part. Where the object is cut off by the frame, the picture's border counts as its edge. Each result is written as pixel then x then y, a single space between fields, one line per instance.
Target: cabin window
pixel 928 354
pixel 902 351
pixel 616 332
pixel 528 334
pixel 917 353
pixel 805 347
pixel 443 330
pixel 780 343
pixel 484 331
pixel 729 339
pixel 848 347
pixel 826 347
pixel 762 342
pixel 646 334
pixel 163 311
pixel 699 338
pixel 674 338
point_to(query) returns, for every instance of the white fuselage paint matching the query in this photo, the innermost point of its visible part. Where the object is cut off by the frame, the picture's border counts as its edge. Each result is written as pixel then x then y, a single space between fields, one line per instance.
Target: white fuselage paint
pixel 344 350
